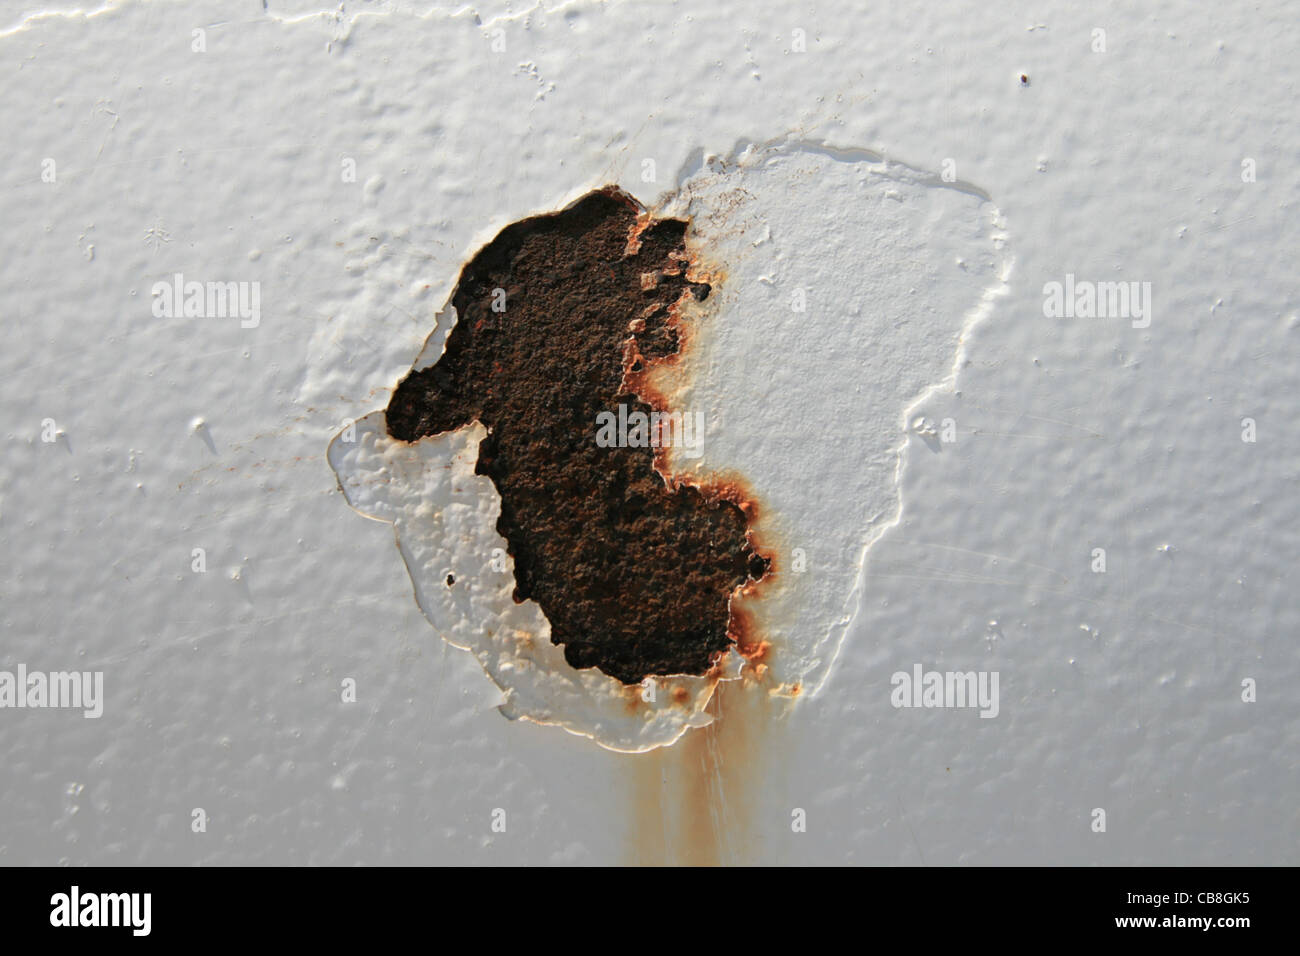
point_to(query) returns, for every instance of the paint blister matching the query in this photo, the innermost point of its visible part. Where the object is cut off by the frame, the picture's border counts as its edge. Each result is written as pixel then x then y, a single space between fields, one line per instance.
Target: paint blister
pixel 841 286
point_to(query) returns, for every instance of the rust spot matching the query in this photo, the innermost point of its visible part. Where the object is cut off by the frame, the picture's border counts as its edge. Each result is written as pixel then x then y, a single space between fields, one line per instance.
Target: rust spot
pixel 743 632
pixel 632 700
pixel 561 320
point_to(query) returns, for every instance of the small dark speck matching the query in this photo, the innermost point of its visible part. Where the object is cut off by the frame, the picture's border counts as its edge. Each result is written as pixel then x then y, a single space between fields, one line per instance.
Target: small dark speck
pixel 1024 79
pixel 451 579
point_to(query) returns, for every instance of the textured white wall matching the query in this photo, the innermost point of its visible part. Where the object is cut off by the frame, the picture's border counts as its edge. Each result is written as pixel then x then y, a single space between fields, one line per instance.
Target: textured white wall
pixel 1120 690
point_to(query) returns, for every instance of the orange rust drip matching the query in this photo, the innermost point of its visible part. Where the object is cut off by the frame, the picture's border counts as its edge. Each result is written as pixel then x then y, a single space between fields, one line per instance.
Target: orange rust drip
pixel 716 797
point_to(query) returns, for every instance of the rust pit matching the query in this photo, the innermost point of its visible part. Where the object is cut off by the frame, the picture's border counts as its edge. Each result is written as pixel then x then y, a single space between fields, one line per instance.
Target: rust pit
pixel 560 319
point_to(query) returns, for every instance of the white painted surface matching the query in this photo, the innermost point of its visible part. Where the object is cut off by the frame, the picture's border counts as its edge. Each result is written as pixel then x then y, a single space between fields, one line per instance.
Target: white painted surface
pixel 1119 690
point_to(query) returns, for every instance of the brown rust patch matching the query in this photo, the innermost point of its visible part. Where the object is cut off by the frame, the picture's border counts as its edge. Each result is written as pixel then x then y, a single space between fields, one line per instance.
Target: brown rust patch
pixel 560 319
